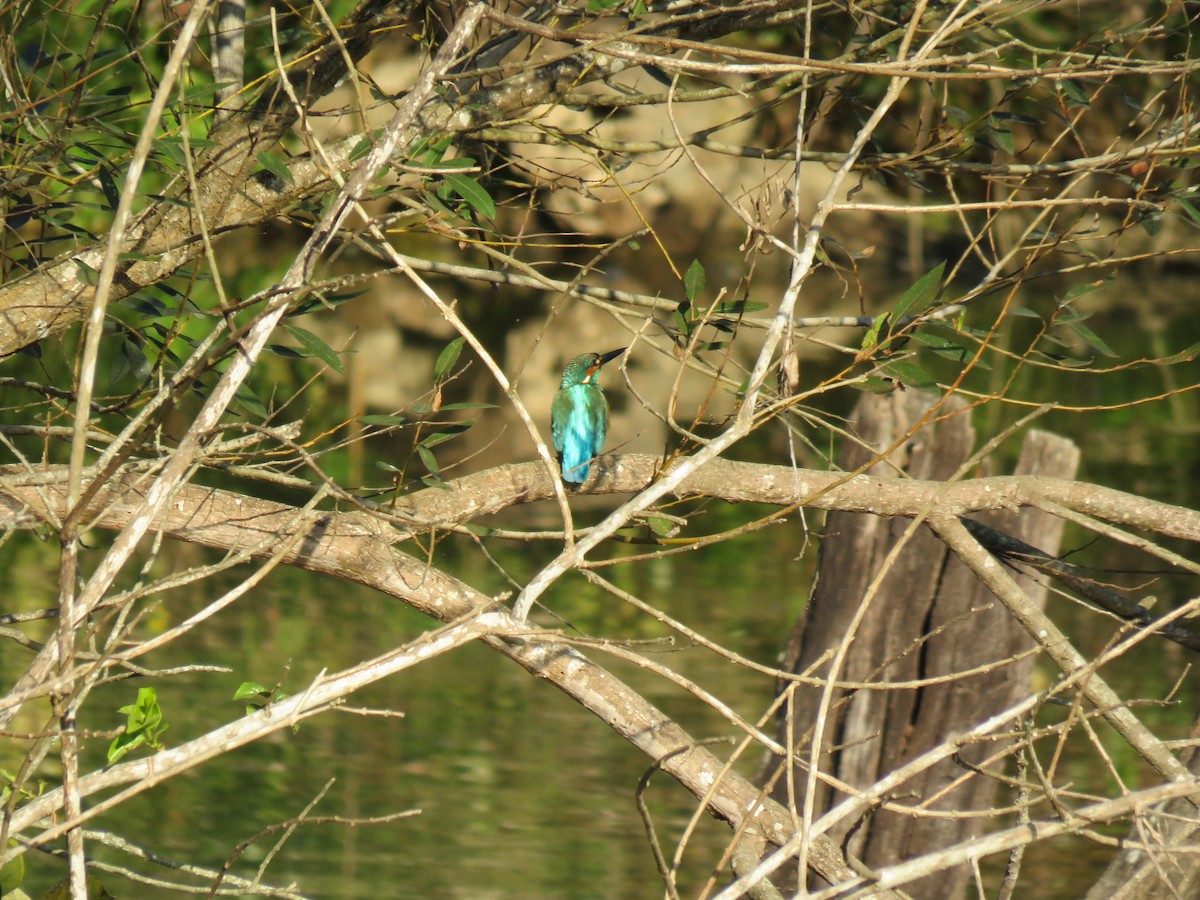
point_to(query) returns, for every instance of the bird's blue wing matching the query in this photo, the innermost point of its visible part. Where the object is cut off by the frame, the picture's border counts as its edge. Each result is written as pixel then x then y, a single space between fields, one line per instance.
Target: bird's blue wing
pixel 578 421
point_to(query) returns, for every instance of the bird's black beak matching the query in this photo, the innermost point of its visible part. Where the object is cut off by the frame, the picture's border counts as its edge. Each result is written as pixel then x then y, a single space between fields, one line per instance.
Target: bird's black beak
pixel 611 354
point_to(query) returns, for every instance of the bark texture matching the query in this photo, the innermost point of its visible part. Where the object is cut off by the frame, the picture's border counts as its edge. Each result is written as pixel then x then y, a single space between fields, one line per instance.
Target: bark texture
pixel 929 617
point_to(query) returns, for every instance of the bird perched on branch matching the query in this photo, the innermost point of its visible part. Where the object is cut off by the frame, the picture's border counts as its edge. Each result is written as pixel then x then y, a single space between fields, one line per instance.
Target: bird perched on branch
pixel 579 415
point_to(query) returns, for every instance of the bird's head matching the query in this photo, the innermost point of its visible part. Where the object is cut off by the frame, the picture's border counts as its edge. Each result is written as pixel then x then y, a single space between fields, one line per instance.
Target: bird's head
pixel 583 368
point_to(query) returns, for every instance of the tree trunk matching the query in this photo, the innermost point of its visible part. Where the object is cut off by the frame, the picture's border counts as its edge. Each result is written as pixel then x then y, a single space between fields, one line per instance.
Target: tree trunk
pixel 930 617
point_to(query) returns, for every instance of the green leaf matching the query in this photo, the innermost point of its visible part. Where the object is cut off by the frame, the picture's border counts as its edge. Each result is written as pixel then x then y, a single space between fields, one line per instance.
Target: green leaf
pixel 248 689
pixel 1186 355
pixel 958 350
pixel 108 184
pixel 871 338
pixel 1092 339
pixel 1192 212
pixel 922 294
pixel 739 308
pixel 1076 95
pixel 129 360
pixel 447 432
pixel 87 274
pixel 360 149
pixel 467 405
pixel 382 420
pixel 662 527
pixel 447 358
pixel 144 725
pixel 683 321
pixel 694 279
pixel 1080 290
pixel 429 460
pixel 13 872
pixel 322 301
pixel 250 403
pixel 275 164
pixel 1003 136
pixel 911 375
pixel 477 198
pixel 315 347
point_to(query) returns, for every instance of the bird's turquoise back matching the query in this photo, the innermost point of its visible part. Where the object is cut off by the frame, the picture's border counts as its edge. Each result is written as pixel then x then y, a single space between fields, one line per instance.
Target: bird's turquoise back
pixel 579 418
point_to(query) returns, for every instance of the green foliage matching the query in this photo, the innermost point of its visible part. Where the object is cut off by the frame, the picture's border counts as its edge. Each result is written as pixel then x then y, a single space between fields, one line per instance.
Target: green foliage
pixel 259 695
pixel 918 298
pixel 12 873
pixel 144 725
pixel 446 359
pixel 314 347
pixel 694 280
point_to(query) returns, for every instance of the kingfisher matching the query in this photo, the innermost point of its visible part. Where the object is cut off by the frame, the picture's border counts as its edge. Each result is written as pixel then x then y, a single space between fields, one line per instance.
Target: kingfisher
pixel 579 415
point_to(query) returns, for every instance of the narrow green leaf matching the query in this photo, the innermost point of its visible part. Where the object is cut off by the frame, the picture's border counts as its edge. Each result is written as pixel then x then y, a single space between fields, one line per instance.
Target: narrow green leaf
pixel 1075 94
pixel 360 149
pixel 322 301
pixel 450 431
pixel 128 361
pixel 477 198
pixel 249 402
pixel 1192 212
pixel 108 184
pixel 87 274
pixel 311 345
pixel 739 308
pixel 467 405
pixel 275 164
pixel 1003 137
pixel 382 420
pixel 694 279
pixel 447 358
pixel 1081 290
pixel 429 460
pixel 1092 339
pixel 871 338
pixel 922 293
pixel 1186 355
